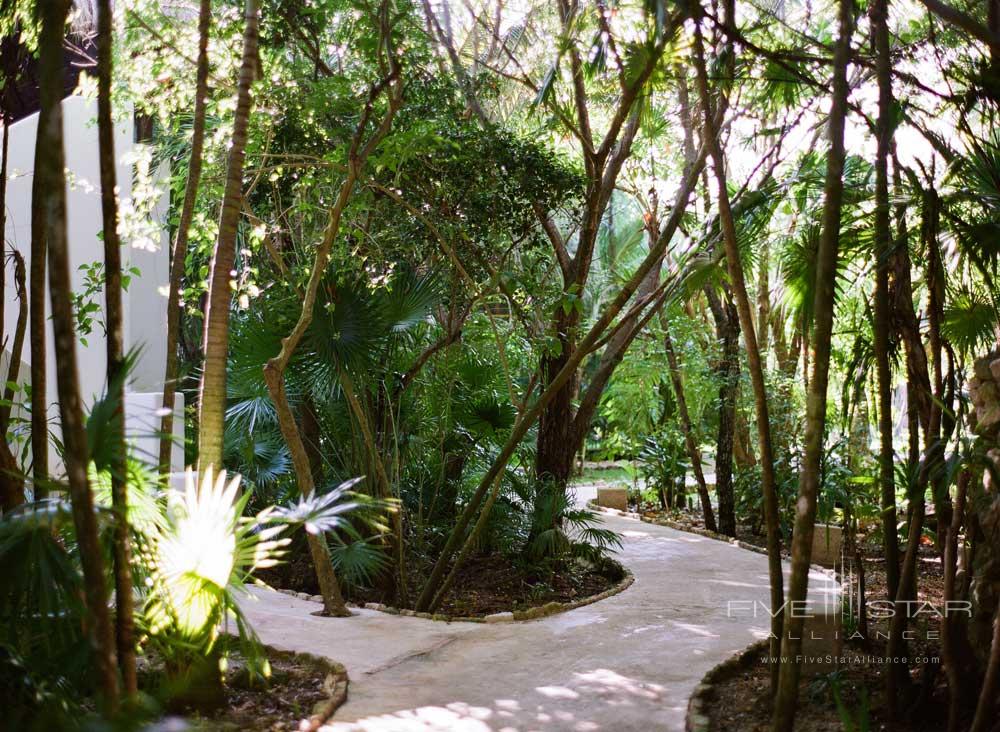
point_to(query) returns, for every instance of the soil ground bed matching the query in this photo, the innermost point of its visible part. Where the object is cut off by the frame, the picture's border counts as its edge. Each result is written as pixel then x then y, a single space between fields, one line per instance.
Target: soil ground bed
pixel 741 701
pixel 248 703
pixel 485 585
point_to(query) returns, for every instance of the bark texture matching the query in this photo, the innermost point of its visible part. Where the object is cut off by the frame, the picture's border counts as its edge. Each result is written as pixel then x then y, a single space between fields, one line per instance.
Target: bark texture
pixel 881 324
pixel 179 251
pixel 738 283
pixel 786 699
pixel 113 320
pixel 215 343
pixel 50 182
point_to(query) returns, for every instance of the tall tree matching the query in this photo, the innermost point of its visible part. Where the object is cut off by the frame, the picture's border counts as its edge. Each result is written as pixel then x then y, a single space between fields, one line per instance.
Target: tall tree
pixel 694 454
pixel 215 343
pixel 360 149
pixel 882 320
pixel 113 319
pixel 50 187
pixel 37 341
pixel 738 283
pixel 786 700
pixel 179 252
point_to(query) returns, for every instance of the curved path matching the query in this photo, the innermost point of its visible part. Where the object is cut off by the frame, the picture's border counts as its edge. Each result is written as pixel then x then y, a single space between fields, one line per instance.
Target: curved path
pixel 629 662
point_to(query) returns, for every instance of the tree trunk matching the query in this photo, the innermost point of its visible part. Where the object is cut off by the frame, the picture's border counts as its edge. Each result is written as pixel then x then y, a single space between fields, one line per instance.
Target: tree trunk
pixel 686 428
pixel 985 715
pixel 11 477
pixel 51 188
pixel 438 584
pixel 727 330
pixel 11 483
pixel 881 323
pixel 735 268
pixel 274 369
pixel 949 632
pixel 826 273
pixel 215 345
pixel 557 445
pixel 124 623
pixel 179 252
pixel 319 551
pixel 36 338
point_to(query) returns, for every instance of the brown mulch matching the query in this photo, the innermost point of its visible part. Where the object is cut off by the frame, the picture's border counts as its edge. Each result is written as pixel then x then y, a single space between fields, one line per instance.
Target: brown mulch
pixel 493 584
pixel 742 701
pixel 485 585
pixel 294 688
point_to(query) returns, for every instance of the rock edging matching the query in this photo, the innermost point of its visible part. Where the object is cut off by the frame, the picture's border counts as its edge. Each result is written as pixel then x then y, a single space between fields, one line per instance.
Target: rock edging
pixel 335 685
pixel 512 616
pixel 697 719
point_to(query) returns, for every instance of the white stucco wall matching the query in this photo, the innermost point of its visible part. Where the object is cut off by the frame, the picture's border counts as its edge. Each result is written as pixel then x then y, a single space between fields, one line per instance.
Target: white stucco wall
pixel 145 302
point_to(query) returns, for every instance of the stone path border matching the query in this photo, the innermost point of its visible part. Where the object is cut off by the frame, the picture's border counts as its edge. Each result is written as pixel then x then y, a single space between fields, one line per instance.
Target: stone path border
pixel 704 693
pixel 513 616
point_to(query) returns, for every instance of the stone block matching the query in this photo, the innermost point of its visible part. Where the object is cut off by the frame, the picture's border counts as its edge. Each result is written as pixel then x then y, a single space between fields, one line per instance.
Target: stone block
pixel 613 498
pixel 827 543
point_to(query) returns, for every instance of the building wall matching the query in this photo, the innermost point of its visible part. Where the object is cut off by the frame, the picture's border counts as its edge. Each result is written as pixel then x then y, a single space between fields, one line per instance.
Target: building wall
pixel 145 302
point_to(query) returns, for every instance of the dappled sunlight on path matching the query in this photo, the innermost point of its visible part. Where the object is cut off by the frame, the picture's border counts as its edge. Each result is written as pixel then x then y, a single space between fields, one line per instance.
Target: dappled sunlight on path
pixel 629 662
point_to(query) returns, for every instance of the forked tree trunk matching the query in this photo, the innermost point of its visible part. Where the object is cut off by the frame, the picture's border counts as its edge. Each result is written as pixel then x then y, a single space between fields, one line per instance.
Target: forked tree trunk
pixel 786 700
pixel 738 282
pixel 121 549
pixel 881 323
pixel 215 344
pixel 51 188
pixel 686 428
pixel 727 370
pixel 179 252
pixel 274 370
pixel 438 584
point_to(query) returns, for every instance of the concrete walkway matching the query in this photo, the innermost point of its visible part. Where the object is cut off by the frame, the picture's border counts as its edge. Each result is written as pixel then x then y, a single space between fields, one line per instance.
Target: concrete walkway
pixel 626 663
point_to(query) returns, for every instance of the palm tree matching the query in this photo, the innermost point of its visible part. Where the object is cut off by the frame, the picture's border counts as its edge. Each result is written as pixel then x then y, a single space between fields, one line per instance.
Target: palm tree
pixel 215 343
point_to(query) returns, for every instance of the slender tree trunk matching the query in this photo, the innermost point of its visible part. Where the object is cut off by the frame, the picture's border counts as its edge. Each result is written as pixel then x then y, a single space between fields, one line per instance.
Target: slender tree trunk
pixel 333 600
pixel 179 252
pixel 215 345
pixel 985 714
pixel 881 324
pixel 949 633
pixel 36 339
pixel 11 484
pixel 124 623
pixel 689 442
pixel 274 370
pixel 727 330
pixel 826 272
pixel 738 282
pixel 897 677
pixel 11 477
pixel 51 188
